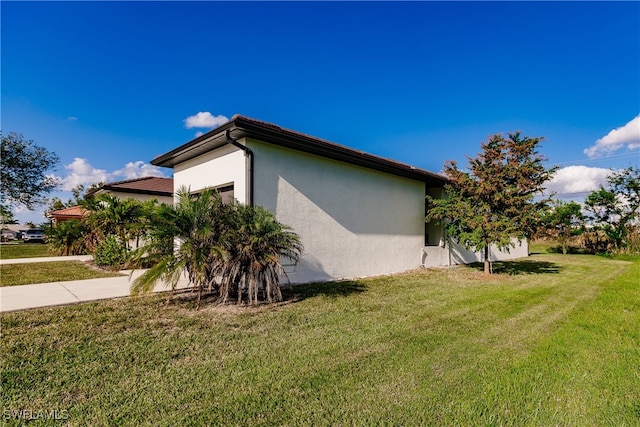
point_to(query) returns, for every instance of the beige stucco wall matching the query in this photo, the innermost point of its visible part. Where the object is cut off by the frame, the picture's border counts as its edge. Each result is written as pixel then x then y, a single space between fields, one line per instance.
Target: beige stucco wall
pixel 453 254
pixel 223 166
pixel 353 221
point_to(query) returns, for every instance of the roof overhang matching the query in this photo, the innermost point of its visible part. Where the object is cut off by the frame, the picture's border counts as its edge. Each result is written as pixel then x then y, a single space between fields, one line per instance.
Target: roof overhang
pixel 115 189
pixel 244 127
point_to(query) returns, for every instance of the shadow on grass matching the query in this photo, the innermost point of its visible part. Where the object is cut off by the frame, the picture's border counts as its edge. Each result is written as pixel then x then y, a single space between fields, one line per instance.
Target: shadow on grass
pixel 513 268
pixel 187 298
pixel 328 289
pixel 571 250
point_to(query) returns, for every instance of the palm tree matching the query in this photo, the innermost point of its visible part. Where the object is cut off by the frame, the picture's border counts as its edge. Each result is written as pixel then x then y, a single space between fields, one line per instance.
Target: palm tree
pixel 113 216
pixel 224 249
pixel 183 240
pixel 67 237
pixel 255 249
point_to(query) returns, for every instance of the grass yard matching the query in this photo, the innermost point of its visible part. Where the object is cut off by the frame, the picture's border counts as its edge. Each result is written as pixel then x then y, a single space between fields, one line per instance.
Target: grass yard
pixel 44 272
pixel 554 342
pixel 23 250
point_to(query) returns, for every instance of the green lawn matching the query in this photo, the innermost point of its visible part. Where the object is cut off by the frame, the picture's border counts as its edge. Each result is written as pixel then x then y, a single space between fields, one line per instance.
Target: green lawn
pixel 23 250
pixel 44 272
pixel 555 340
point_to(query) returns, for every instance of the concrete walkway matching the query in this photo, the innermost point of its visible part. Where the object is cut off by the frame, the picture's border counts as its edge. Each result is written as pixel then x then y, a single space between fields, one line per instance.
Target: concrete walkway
pixel 13 298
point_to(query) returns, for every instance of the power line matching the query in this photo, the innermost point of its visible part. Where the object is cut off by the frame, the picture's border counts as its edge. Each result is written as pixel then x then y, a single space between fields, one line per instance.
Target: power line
pixel 619 156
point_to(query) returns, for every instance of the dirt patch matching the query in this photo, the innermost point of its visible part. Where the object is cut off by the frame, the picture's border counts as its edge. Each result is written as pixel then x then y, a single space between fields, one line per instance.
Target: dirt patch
pixel 92 266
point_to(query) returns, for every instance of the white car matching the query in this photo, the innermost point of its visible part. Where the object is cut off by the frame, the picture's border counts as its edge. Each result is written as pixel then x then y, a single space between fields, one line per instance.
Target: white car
pixel 34 235
pixel 8 235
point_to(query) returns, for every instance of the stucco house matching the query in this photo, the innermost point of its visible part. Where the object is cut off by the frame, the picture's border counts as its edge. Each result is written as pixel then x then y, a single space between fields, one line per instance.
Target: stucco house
pixel 357 214
pixel 66 214
pixel 142 189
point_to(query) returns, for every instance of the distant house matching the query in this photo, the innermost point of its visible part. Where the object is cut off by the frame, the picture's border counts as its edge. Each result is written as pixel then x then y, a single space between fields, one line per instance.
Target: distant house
pixel 357 214
pixel 7 234
pixel 141 189
pixel 66 214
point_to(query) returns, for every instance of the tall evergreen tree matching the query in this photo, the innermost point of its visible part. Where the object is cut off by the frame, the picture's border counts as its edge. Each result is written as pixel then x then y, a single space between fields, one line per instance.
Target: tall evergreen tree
pixel 495 200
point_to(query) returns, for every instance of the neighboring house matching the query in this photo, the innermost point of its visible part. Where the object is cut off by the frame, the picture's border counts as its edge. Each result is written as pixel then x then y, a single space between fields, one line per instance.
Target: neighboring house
pixel 66 214
pixel 141 189
pixel 16 229
pixel 357 214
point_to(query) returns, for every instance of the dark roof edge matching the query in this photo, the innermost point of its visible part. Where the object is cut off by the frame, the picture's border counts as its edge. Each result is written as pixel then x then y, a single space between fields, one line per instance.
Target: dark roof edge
pixel 136 191
pixel 166 160
pixel 246 127
pixel 113 186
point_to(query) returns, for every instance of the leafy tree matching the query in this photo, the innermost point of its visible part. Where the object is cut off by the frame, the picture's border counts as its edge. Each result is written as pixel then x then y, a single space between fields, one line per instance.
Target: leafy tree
pixel 494 202
pixel 6 215
pixel 23 176
pixel 617 209
pixel 562 221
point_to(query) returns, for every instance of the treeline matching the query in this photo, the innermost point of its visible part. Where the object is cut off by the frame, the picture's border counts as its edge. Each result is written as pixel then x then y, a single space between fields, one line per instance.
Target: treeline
pixel 607 222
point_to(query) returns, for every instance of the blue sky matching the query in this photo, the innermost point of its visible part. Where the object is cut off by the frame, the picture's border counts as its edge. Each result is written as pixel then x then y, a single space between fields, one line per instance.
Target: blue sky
pixel 110 85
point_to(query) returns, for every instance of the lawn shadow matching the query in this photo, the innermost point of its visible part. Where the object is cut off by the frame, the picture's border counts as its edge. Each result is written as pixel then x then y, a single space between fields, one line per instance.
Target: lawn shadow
pixel 573 250
pixel 327 289
pixel 513 268
pixel 290 293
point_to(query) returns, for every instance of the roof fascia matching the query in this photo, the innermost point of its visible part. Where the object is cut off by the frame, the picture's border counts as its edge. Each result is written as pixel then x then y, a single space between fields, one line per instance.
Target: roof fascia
pixel 106 189
pixel 202 144
pixel 242 127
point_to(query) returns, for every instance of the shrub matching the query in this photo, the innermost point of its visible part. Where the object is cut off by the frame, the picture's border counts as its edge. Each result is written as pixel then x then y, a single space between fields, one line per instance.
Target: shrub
pixel 111 253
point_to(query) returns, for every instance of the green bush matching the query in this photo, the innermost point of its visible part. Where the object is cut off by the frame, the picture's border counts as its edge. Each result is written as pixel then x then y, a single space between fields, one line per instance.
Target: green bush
pixel 111 253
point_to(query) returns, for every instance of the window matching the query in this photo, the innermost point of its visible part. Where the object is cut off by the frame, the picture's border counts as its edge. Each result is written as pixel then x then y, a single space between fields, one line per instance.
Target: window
pixel 225 191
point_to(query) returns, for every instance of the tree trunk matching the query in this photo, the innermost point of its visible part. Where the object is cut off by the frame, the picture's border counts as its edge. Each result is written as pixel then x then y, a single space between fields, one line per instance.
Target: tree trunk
pixel 487 265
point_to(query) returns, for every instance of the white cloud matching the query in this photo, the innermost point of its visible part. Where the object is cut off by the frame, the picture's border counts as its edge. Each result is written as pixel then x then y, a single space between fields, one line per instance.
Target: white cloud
pixel 204 120
pixel 137 169
pixel 199 134
pixel 577 181
pixel 625 136
pixel 82 172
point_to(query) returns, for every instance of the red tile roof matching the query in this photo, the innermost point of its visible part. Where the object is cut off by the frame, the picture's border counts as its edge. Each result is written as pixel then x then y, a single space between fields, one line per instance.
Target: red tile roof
pixel 72 212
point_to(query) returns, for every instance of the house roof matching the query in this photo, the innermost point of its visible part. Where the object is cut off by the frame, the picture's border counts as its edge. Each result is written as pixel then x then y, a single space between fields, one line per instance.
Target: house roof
pixel 241 127
pixel 72 212
pixel 151 185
